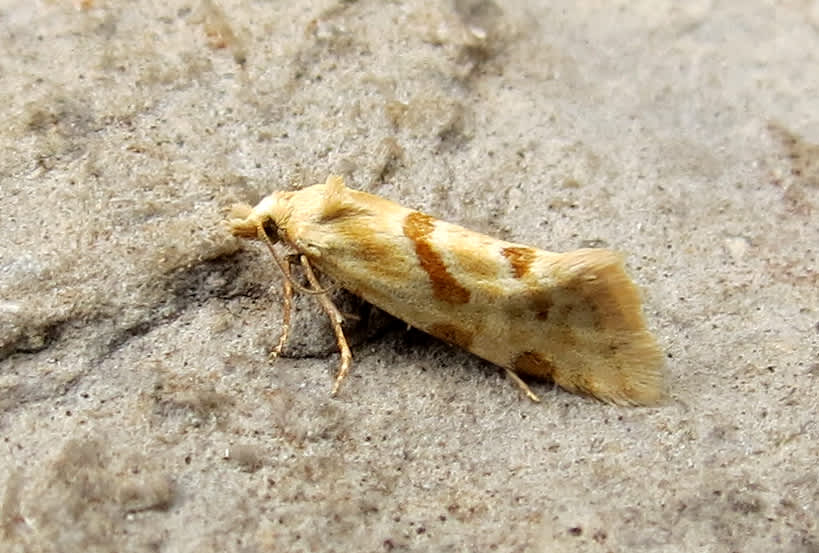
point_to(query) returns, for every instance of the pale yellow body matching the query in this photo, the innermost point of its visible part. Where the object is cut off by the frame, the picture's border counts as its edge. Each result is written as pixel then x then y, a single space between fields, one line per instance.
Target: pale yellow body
pixel 574 317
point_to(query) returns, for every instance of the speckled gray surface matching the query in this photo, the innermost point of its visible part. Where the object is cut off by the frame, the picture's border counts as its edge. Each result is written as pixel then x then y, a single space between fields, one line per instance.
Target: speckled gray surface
pixel 138 411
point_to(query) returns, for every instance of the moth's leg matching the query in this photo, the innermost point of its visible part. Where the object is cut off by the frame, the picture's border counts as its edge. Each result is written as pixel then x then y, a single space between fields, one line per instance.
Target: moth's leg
pixel 335 320
pixel 287 309
pixel 522 385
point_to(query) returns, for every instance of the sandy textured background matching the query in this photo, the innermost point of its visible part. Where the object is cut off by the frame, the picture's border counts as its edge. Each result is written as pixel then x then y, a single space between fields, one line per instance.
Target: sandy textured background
pixel 137 408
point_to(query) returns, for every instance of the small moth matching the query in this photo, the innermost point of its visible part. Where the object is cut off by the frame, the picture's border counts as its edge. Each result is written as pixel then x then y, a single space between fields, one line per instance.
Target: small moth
pixel 574 318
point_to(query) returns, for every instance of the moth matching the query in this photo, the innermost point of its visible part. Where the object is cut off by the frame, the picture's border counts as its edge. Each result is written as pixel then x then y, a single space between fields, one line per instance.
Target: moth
pixel 574 318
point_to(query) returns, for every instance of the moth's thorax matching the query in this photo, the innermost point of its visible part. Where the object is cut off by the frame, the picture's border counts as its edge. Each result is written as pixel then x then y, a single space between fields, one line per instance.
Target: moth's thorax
pixel 296 215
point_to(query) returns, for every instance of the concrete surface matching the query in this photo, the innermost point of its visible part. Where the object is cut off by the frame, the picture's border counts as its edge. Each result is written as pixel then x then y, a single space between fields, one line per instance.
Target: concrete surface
pixel 138 411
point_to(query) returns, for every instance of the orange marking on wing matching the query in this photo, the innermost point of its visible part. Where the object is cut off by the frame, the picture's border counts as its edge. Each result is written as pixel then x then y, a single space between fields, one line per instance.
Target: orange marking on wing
pixel 533 364
pixel 520 258
pixel 453 334
pixel 418 227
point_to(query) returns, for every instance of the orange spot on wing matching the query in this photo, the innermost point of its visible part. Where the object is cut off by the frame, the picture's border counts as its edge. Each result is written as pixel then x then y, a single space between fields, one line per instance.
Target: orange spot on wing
pixel 418 227
pixel 453 334
pixel 520 258
pixel 531 363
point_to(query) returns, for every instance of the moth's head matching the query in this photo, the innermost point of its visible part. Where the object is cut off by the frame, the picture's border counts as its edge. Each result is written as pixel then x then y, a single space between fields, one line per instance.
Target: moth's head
pixel 256 222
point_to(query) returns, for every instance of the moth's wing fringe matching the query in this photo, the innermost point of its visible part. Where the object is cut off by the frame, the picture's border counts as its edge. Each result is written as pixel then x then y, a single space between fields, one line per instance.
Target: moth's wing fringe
pixel 626 361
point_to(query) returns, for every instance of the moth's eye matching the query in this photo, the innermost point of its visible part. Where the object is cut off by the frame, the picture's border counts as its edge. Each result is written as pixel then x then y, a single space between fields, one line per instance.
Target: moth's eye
pixel 270 229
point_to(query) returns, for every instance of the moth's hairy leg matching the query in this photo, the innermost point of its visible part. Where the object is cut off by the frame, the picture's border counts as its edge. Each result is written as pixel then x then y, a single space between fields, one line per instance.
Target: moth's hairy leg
pixel 335 320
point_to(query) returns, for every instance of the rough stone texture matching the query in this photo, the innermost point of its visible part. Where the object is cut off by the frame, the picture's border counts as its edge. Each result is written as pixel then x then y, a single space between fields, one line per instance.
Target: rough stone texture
pixel 138 411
